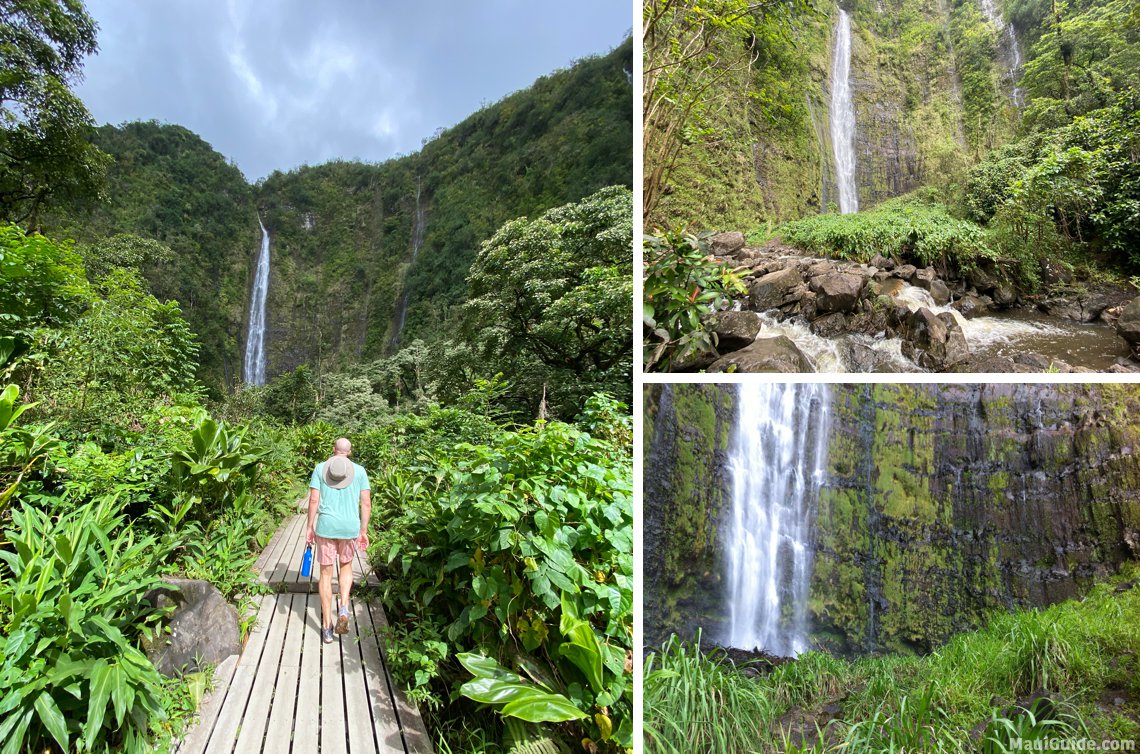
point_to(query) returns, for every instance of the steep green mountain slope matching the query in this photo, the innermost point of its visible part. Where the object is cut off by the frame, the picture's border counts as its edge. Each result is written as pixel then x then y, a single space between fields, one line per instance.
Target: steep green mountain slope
pixel 938 85
pixel 358 249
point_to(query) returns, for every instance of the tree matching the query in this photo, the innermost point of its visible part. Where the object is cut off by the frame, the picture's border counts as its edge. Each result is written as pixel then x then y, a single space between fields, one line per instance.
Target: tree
pixel 688 48
pixel 551 301
pixel 44 128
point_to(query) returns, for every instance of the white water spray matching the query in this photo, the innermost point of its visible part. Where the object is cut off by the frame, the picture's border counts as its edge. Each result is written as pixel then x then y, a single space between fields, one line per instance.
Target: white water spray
pixel 843 116
pixel 253 365
pixel 778 462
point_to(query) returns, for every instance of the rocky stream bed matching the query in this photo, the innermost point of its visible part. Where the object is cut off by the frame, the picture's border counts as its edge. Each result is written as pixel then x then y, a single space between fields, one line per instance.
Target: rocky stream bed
pixel 805 313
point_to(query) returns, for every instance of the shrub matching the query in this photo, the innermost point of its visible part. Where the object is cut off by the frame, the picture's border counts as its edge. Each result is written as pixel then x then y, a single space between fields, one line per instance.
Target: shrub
pixel 71 596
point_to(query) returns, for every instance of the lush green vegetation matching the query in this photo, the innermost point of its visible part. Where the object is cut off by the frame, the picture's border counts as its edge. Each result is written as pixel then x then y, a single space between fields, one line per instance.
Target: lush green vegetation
pixel 127 458
pixel 682 285
pixel 500 540
pixel 1031 675
pixel 900 228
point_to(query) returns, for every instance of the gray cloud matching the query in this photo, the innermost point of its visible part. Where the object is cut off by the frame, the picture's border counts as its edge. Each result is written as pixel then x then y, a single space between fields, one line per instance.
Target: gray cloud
pixel 274 85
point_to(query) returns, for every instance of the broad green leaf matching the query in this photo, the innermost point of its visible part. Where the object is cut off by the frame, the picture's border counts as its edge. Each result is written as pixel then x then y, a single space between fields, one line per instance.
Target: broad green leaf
pixel 52 719
pixel 543 708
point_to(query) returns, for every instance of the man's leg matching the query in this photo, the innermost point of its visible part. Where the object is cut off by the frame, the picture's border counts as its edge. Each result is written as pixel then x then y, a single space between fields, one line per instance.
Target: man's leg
pixel 326 595
pixel 345 580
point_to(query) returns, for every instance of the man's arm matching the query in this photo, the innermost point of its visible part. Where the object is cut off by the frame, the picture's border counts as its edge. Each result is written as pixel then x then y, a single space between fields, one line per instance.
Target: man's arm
pixel 314 504
pixel 365 514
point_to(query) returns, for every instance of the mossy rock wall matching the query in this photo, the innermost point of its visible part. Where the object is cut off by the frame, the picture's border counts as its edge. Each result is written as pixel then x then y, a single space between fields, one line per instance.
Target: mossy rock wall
pixel 943 503
pixel 687 430
pixel 946 502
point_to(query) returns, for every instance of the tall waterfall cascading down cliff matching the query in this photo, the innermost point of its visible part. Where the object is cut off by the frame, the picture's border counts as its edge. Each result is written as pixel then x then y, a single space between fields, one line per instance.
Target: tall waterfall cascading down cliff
pixel 777 464
pixel 1011 51
pixel 253 365
pixel 843 116
pixel 417 241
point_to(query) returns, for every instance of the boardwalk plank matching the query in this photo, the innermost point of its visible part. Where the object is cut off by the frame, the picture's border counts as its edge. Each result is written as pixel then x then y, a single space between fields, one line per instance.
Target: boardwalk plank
pixel 229 721
pixel 385 722
pixel 256 715
pixel 361 737
pixel 306 731
pixel 333 738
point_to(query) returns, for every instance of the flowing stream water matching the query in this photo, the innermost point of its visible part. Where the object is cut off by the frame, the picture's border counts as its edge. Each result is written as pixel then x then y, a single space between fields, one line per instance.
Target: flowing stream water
pixel 843 116
pixel 1004 334
pixel 253 365
pixel 777 462
pixel 418 229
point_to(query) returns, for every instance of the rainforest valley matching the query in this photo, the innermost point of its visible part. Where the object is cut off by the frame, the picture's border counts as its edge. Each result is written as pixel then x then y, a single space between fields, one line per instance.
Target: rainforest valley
pixel 178 348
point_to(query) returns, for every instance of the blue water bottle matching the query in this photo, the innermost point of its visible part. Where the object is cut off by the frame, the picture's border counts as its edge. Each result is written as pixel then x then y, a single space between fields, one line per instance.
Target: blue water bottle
pixel 307 561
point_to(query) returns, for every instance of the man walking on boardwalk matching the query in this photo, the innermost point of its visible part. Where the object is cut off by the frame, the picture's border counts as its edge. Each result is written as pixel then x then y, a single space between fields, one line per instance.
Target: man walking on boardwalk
pixel 340 503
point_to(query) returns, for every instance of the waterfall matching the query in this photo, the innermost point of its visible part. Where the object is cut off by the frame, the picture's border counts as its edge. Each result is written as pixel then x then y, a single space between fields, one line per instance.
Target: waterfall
pixel 418 228
pixel 253 366
pixel 843 116
pixel 1011 48
pixel 777 465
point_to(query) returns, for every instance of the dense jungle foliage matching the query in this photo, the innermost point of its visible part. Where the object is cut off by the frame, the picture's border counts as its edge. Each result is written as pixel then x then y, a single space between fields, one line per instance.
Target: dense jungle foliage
pixel 1026 164
pixel 126 458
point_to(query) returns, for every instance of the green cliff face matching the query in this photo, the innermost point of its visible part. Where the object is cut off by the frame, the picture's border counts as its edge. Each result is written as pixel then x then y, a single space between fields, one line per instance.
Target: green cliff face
pixel 687 430
pixel 942 504
pixel 930 100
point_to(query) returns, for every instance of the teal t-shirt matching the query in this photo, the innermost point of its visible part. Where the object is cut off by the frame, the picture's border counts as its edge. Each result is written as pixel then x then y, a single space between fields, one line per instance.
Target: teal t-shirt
pixel 338 515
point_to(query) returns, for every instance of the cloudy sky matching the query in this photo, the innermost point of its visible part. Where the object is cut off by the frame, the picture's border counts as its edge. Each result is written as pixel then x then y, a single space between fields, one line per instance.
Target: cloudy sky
pixel 273 84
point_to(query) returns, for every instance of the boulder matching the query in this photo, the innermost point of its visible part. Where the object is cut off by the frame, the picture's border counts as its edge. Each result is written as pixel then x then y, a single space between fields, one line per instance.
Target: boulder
pixel 203 629
pixel 940 292
pixel 735 330
pixel 1005 295
pixel 824 267
pixel 924 278
pixel 933 341
pixel 778 354
pixel 1053 273
pixel 971 306
pixel 726 243
pixel 905 272
pixel 837 292
pixel 773 289
pixel 830 325
pixel 1128 326
pixel 983 278
pixel 883 263
pixel 861 358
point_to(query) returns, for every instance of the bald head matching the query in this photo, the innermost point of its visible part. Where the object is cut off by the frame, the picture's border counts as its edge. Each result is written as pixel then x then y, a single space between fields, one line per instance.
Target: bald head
pixel 343 447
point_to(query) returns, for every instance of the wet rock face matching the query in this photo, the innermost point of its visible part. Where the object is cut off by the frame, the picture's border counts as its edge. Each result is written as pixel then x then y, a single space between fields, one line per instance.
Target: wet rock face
pixel 942 504
pixel 946 502
pixel 687 430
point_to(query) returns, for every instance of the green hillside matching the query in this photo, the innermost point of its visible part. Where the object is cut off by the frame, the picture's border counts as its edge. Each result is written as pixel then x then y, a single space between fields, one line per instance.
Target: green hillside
pixel 343 275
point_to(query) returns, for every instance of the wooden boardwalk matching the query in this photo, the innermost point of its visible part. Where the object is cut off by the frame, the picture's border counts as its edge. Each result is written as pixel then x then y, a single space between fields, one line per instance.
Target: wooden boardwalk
pixel 288 692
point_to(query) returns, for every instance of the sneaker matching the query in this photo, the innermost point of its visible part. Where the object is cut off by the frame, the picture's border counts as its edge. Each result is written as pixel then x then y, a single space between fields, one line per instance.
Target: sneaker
pixel 327 635
pixel 342 621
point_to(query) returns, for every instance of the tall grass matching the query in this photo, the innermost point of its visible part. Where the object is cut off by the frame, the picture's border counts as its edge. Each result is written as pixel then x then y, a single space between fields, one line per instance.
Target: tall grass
pixel 1032 675
pixel 698 702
